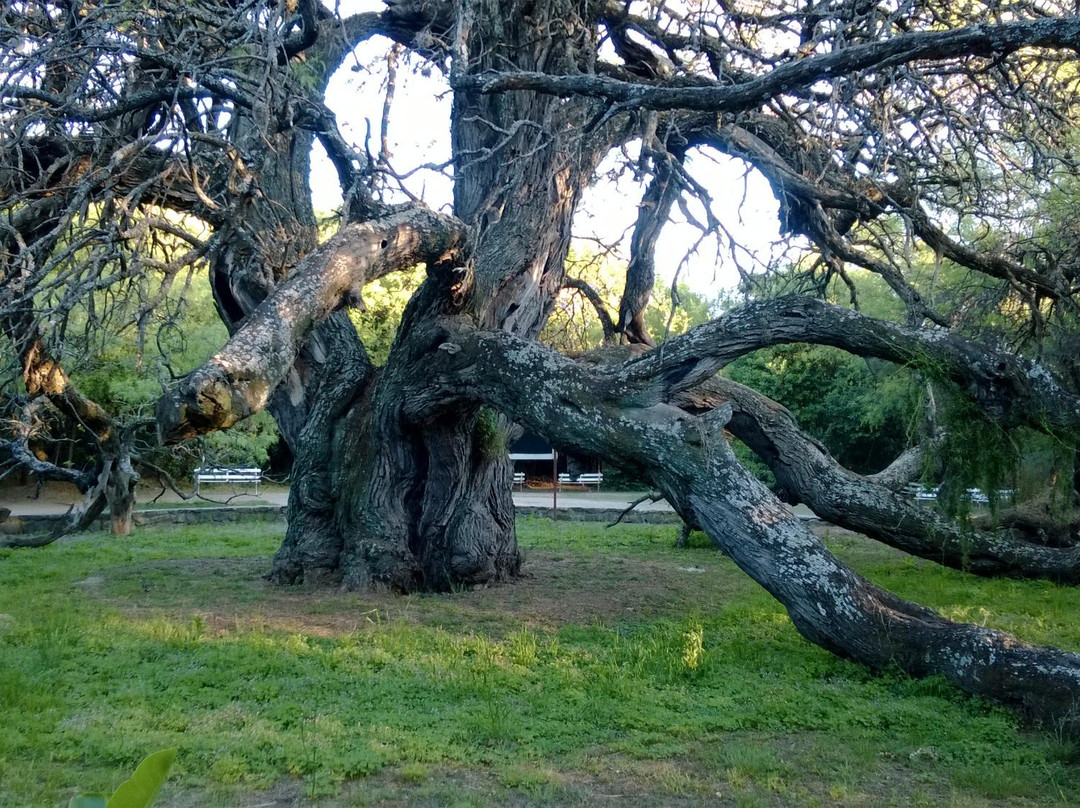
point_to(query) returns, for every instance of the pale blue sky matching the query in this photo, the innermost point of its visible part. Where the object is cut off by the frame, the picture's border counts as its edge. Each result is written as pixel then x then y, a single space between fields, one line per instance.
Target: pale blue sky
pixel 419 134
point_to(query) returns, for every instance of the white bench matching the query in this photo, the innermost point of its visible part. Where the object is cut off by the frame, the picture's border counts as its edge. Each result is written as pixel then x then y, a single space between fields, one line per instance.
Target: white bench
pixel 980 497
pixel 921 493
pixel 226 475
pixel 591 478
pixel 976 495
pixel 519 478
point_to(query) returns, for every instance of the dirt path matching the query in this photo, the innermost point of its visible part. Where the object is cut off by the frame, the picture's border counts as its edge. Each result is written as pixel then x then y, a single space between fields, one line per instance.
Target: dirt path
pixel 56 498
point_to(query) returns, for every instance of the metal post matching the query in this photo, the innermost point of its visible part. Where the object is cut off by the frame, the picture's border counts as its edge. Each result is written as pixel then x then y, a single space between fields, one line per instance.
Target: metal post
pixel 554 485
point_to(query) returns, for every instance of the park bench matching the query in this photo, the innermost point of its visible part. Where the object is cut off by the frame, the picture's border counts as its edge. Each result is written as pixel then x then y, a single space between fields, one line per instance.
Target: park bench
pixel 980 497
pixel 591 478
pixel 976 495
pixel 519 478
pixel 227 475
pixel 921 493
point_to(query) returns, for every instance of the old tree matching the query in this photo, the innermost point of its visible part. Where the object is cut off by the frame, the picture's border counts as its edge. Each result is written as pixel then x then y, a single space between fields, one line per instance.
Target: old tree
pixel 142 141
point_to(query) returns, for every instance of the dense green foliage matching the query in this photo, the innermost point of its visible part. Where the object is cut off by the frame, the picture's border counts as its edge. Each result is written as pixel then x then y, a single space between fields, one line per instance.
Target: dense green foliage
pixel 864 412
pixel 384 301
pixel 621 666
pixel 124 369
pixel 868 411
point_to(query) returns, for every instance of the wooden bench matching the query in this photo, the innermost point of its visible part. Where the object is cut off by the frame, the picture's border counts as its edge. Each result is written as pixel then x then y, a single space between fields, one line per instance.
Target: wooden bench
pixel 976 495
pixel 519 478
pixel 226 475
pixel 980 497
pixel 591 478
pixel 594 478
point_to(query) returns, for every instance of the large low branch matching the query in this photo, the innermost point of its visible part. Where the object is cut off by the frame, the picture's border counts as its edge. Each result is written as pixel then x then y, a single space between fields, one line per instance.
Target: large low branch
pixel 238 380
pixel 77 519
pixel 21 455
pixel 1008 388
pixel 688 460
pixel 906 467
pixel 975 40
pixel 806 471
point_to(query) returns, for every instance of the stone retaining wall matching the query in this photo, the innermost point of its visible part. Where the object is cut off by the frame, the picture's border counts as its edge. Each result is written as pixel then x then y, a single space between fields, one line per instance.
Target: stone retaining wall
pixel 600 515
pixel 274 513
pixel 161 516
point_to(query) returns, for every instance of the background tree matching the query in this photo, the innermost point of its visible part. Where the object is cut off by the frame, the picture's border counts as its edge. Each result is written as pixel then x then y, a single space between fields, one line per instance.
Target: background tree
pixel 880 127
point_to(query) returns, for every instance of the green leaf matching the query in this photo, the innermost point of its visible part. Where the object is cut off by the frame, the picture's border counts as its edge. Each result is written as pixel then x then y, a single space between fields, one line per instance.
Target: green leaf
pixel 140 790
pixel 89 801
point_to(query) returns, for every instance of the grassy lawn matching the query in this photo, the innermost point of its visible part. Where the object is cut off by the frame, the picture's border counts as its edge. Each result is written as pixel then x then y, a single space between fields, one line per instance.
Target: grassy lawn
pixel 618 670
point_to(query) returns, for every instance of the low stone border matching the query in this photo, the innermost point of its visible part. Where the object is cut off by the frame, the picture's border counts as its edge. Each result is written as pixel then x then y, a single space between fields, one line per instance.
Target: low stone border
pixel 17 525
pixel 599 515
pixel 160 516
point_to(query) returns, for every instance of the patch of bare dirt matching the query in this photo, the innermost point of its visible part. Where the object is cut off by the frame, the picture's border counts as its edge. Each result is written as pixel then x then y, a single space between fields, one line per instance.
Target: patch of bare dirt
pixel 556 589
pixel 625 783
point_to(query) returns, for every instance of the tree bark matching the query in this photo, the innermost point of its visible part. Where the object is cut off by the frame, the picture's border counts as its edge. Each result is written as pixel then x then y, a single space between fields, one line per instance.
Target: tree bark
pixel 805 472
pixel 653 213
pixel 429 501
pixel 1007 387
pixel 689 461
pixel 401 478
pixel 425 501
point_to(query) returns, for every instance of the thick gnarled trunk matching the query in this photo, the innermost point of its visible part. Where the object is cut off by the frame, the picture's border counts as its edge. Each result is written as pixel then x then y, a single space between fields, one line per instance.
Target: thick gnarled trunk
pixel 378 501
pixel 420 497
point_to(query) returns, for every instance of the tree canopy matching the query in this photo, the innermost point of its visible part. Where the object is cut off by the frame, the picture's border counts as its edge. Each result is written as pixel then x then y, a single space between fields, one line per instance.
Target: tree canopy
pixel 152 149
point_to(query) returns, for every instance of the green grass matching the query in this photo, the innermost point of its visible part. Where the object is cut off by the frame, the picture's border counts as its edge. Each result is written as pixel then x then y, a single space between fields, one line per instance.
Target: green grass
pixel 619 667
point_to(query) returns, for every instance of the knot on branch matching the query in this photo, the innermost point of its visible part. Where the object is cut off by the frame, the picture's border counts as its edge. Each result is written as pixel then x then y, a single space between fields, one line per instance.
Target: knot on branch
pixel 203 402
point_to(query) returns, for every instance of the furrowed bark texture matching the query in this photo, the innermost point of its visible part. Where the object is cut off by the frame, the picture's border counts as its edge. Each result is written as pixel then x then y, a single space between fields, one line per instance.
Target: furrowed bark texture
pixel 1007 387
pixel 426 500
pixel 687 459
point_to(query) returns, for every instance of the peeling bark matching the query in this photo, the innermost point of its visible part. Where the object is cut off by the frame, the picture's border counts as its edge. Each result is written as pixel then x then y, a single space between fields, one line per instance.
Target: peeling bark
pixel 238 380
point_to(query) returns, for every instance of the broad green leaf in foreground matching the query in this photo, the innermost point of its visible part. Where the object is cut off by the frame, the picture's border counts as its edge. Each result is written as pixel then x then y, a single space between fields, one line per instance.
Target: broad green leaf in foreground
pixel 140 790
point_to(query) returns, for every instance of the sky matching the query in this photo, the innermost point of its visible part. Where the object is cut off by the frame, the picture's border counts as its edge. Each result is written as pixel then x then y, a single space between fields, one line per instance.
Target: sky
pixel 419 134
